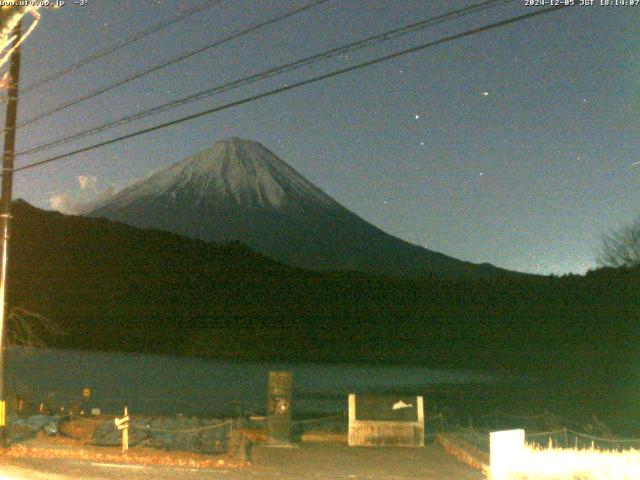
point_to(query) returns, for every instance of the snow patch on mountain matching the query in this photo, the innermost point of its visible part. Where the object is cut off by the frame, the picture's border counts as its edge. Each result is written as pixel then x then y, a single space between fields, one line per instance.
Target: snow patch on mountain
pixel 233 172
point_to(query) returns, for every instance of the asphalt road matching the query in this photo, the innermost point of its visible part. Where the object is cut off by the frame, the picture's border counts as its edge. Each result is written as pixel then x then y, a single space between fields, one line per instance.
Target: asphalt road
pixel 62 469
pixel 309 462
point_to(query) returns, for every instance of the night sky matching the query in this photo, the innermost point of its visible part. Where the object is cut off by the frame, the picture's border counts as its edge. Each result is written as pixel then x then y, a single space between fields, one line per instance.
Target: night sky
pixel 514 147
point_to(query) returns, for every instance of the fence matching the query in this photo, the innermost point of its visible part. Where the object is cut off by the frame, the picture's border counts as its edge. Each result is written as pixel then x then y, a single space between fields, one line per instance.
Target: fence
pixel 512 458
pixel 564 451
pixel 177 432
pixel 563 438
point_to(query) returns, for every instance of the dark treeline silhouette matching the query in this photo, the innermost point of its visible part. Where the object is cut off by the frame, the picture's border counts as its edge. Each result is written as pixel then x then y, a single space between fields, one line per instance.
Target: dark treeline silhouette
pixel 109 286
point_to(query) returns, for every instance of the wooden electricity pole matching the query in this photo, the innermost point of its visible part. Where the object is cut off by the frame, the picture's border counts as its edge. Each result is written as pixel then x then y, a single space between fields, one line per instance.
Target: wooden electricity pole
pixel 5 214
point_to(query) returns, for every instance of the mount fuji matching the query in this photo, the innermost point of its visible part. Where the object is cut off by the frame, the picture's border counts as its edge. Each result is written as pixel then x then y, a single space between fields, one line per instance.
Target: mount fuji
pixel 238 190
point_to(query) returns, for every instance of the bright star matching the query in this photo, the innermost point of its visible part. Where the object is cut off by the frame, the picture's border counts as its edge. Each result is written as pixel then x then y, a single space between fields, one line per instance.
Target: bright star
pixel 486 94
pixel 417 116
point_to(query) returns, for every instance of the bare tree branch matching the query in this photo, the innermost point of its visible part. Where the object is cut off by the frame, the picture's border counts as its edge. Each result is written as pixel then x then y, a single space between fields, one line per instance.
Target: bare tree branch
pixel 621 248
pixel 30 329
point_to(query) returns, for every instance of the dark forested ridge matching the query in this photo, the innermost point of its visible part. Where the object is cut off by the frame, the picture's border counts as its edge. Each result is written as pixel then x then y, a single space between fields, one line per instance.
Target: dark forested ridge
pixel 114 287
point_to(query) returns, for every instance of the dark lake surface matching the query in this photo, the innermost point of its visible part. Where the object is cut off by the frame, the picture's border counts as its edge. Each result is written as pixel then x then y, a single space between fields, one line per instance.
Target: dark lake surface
pixel 166 385
pixel 156 384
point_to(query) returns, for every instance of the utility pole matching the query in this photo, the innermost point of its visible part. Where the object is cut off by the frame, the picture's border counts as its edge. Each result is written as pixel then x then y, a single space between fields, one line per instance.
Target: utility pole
pixel 5 215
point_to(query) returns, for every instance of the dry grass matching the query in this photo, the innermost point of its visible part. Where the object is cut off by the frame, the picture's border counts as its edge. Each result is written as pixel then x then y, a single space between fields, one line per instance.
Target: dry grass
pixel 534 463
pixel 70 448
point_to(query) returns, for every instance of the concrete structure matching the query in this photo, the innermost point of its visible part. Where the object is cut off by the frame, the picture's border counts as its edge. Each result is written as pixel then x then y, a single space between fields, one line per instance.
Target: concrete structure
pixel 386 421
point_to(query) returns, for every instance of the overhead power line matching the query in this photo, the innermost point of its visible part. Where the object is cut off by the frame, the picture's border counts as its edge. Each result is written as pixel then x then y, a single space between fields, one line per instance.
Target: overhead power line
pixel 172 61
pixel 302 83
pixel 350 47
pixel 128 41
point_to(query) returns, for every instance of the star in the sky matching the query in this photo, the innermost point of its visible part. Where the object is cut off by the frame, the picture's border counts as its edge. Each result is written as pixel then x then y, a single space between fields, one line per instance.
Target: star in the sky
pixel 417 116
pixel 485 94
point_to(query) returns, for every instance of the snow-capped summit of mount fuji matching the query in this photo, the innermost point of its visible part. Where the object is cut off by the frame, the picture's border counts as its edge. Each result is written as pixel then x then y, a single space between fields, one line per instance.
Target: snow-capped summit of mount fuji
pixel 234 173
pixel 238 190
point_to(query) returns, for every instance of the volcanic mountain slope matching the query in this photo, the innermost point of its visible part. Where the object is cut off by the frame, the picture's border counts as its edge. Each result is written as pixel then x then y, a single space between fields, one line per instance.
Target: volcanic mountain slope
pixel 240 191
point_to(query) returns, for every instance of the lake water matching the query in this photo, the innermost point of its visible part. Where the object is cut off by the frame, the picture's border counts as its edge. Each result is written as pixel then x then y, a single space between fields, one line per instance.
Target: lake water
pixel 156 384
